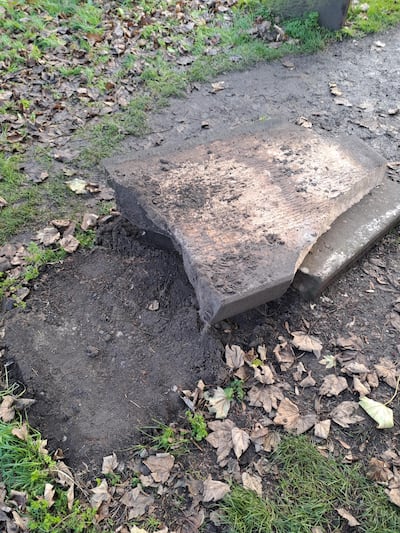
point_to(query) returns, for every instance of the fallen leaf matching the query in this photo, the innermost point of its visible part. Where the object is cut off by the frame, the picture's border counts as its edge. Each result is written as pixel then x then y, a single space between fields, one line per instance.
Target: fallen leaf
pixel 100 494
pixel 284 355
pixel 345 414
pixel 217 86
pixel 308 381
pixel 266 397
pixel 137 501
pixel 304 423
pixel 306 343
pixel 264 374
pixel 234 356
pixel 348 516
pixel 262 352
pixel 3 202
pixel 382 414
pixel 214 491
pixel 160 466
pixel 21 432
pixel 61 223
pixel 329 361
pixel 271 441
pixel 387 371
pixel 353 343
pixel 363 389
pixel 334 89
pixel 89 221
pixel 48 236
pixel 219 404
pixel 7 411
pixel 304 122
pixel 136 529
pixel 379 471
pixel 110 463
pixel 49 492
pixel 332 385
pixel 69 243
pixel 395 320
pixel 252 482
pixel 354 367
pixel 240 440
pixel 221 439
pixel 287 414
pixel 322 429
pixel 77 186
pixel 70 497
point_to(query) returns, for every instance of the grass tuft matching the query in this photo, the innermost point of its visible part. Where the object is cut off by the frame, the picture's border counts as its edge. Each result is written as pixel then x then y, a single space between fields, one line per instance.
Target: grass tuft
pixel 309 489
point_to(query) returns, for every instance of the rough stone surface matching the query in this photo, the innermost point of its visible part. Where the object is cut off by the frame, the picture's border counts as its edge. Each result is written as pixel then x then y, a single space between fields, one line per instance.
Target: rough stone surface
pixel 350 236
pixel 245 211
pixel 332 13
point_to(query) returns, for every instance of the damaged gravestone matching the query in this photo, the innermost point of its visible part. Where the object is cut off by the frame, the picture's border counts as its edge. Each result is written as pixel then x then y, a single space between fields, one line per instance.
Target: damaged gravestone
pixel 332 13
pixel 245 210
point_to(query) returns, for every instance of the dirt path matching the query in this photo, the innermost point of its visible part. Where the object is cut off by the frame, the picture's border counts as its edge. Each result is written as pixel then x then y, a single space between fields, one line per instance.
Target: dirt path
pixel 106 337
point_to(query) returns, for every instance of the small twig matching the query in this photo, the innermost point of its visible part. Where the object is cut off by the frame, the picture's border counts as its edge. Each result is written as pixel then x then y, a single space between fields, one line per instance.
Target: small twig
pixel 395 392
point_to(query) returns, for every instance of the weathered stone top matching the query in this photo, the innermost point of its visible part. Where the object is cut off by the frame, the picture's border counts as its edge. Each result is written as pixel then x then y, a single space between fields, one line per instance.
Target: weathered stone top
pixel 245 211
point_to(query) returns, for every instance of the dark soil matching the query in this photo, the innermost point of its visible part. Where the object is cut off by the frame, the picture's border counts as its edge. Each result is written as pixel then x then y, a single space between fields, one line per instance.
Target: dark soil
pixel 101 363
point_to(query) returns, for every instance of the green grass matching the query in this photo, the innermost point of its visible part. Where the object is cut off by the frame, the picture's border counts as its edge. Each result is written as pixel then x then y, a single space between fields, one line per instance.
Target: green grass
pixel 381 14
pixel 26 466
pixel 309 489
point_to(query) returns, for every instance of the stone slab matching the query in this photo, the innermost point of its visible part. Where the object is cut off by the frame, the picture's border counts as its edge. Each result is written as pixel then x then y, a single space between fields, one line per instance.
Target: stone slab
pixel 349 237
pixel 332 13
pixel 244 210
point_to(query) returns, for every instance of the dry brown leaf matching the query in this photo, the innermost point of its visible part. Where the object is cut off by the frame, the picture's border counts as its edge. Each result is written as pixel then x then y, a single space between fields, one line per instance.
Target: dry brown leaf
pixel 348 516
pixel 100 494
pixel 7 411
pixel 21 523
pixel 136 529
pixel 394 318
pixel 221 439
pixel 355 367
pixel 264 374
pixel 266 397
pixel 214 491
pixel 387 371
pixel 262 352
pixel 332 385
pixel 217 86
pixel 110 463
pixel 137 501
pixel 65 476
pixel 362 388
pixel 234 356
pixel 21 432
pixel 308 381
pixel 77 186
pixel 257 437
pixel 48 236
pixel 3 202
pixel 284 355
pixel 304 423
pixel 252 482
pixel 322 429
pixel 89 221
pixel 287 414
pixel 49 492
pixel 271 441
pixel 240 440
pixel 306 343
pixel 300 370
pixel 379 471
pixel 394 495
pixel 373 380
pixel 160 466
pixel 69 243
pixel 70 497
pixel 353 343
pixel 345 414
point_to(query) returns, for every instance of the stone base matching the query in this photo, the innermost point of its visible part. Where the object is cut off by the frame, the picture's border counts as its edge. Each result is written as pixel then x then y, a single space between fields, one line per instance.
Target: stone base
pixel 350 236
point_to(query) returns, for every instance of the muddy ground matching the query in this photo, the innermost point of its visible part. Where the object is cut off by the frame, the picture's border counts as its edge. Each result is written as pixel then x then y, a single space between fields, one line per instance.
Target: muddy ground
pixel 108 335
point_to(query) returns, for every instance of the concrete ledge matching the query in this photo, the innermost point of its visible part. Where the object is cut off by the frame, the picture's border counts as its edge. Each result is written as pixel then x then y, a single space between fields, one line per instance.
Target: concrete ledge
pixel 349 237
